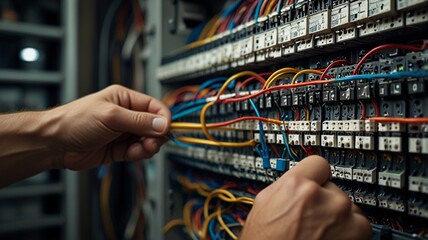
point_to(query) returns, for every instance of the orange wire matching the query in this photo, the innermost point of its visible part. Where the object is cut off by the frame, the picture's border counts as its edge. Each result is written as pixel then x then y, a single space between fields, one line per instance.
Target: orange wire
pixel 420 120
pixel 270 7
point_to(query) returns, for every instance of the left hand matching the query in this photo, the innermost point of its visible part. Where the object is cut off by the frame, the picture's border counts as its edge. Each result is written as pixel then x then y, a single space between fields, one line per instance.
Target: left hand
pixel 114 124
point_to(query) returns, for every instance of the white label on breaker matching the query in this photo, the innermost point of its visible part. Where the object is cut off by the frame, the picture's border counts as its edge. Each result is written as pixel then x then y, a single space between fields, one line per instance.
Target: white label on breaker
pixel 358 10
pixel 339 15
pixel 284 33
pixel 377 7
pixel 319 22
pixel 299 28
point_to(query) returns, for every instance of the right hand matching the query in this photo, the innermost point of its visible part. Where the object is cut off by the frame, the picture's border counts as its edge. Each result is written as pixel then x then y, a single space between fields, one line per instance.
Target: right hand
pixel 304 204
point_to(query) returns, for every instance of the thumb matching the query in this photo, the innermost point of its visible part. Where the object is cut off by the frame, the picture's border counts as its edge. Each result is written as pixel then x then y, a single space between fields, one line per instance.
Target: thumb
pixel 139 123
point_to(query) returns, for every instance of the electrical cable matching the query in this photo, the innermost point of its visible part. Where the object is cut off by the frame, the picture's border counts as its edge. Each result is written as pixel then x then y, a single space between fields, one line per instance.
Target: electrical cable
pixel 304 72
pixel 105 205
pixel 187 112
pixel 418 120
pixel 385 47
pixel 200 141
pixel 171 224
pixel 277 74
pixel 269 7
pixel 258 8
pixel 225 227
pixel 331 65
pixel 208 105
pixel 191 125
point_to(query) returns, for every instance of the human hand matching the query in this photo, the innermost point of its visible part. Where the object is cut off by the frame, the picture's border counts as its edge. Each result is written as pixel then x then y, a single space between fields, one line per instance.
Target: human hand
pixel 114 124
pixel 304 204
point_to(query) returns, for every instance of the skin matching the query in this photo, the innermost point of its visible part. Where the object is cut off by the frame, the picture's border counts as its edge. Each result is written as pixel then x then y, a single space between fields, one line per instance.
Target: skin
pixel 114 124
pixel 118 124
pixel 305 204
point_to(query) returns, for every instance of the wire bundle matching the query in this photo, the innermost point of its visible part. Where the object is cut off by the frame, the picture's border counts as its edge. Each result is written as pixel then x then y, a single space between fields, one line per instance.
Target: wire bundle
pixel 233 15
pixel 197 100
pixel 212 213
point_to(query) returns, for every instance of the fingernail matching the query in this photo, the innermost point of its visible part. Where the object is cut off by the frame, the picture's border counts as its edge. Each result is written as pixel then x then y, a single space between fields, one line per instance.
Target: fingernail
pixel 159 124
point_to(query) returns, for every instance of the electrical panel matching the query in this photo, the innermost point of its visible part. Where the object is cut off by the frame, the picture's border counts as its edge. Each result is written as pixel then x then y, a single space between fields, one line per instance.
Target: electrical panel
pixel 268 83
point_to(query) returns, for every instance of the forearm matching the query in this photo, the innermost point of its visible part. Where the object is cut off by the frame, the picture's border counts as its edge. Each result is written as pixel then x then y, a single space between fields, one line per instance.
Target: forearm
pixel 27 145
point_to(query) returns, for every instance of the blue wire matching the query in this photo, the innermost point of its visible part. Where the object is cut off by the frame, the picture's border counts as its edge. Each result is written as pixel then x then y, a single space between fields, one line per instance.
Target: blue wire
pixel 194 35
pixel 278 8
pixel 231 25
pixel 102 171
pixel 211 229
pixel 257 12
pixel 187 112
pixel 228 218
pixel 180 143
pixel 183 106
pixel 401 74
pixel 232 8
pixel 255 108
pixel 264 154
pixel 286 146
pixel 211 82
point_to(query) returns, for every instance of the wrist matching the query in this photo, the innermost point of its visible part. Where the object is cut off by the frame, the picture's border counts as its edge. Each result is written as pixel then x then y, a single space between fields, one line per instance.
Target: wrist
pixel 32 135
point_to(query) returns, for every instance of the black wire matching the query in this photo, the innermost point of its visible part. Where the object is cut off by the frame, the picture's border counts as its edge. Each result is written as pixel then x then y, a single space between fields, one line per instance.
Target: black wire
pixel 103 54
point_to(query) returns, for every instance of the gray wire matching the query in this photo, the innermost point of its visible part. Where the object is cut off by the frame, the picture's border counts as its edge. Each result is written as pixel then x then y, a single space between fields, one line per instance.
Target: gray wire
pixel 103 51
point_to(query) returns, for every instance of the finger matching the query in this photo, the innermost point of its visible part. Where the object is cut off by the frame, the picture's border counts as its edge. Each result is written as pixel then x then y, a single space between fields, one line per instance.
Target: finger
pixel 145 149
pixel 137 101
pixel 333 187
pixel 358 228
pixel 314 168
pixel 356 209
pixel 138 123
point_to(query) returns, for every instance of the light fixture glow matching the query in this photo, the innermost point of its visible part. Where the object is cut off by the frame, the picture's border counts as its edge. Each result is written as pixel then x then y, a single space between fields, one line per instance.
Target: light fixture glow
pixel 29 54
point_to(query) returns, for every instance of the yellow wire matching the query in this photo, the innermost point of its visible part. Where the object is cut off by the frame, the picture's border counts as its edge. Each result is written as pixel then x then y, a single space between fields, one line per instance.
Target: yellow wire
pixel 278 73
pixel 212 195
pixel 305 71
pixel 192 125
pixel 269 8
pixel 207 27
pixel 215 26
pixel 225 227
pixel 293 152
pixel 208 105
pixel 207 220
pixel 307 113
pixel 187 215
pixel 171 224
pixel 200 188
pixel 249 143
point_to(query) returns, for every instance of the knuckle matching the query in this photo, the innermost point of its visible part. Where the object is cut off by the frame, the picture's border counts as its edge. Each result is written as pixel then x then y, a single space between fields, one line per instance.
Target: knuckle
pixel 310 190
pixel 110 114
pixel 342 205
pixel 261 197
pixel 115 87
pixel 292 181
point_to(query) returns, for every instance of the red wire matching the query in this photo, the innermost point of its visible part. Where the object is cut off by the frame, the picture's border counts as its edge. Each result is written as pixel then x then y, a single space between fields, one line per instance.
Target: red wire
pixel 363 110
pixel 297 114
pixel 262 9
pixel 384 47
pixel 273 88
pixel 250 11
pixel 333 64
pixel 227 123
pixel 261 80
pixel 376 106
pixel 275 150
